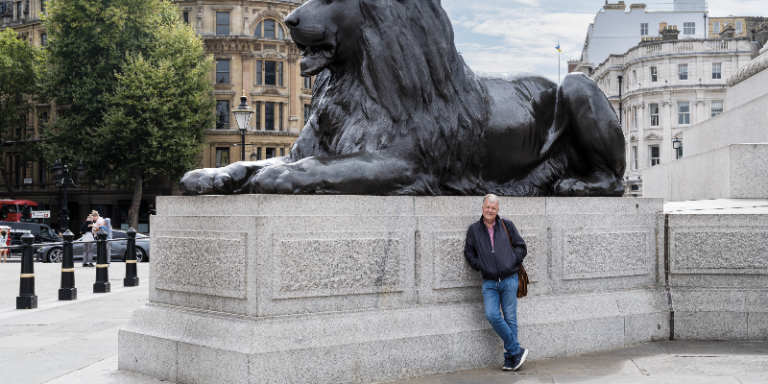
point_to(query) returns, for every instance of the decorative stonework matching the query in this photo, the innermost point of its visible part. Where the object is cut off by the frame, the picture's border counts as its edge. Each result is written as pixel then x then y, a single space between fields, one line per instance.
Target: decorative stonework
pixel 599 253
pixel 754 67
pixel 720 251
pixel 208 263
pixel 338 266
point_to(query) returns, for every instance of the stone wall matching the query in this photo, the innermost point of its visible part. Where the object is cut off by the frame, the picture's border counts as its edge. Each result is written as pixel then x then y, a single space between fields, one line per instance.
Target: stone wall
pixel 719 274
pixel 353 289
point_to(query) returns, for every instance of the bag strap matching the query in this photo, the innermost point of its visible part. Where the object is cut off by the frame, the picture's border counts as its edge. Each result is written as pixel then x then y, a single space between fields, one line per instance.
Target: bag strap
pixel 508 236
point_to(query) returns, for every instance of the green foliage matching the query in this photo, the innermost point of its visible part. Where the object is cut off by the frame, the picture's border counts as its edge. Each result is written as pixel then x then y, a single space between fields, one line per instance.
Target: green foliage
pixel 20 66
pixel 131 77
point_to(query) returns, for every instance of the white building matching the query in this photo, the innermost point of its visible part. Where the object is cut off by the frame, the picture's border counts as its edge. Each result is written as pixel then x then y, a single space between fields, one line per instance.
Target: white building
pixel 615 30
pixel 667 86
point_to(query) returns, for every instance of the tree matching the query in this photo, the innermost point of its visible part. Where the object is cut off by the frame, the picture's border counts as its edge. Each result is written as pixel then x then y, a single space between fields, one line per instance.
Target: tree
pixel 19 88
pixel 135 79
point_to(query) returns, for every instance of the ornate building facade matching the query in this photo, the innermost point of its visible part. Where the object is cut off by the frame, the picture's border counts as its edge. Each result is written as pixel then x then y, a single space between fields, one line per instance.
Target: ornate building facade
pixel 252 52
pixel 666 87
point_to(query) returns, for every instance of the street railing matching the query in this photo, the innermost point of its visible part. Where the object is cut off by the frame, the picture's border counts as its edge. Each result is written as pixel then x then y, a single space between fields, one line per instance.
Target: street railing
pixel 27 298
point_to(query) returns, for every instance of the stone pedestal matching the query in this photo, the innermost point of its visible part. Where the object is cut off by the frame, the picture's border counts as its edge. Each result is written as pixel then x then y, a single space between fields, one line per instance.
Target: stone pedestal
pixel 357 289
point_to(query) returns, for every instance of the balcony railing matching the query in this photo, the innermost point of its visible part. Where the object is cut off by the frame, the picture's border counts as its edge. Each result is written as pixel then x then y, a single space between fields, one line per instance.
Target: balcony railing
pixel 676 7
pixel 687 46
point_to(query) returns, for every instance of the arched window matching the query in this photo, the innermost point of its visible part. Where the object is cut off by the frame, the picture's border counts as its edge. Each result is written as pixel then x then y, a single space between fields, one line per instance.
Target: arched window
pixel 269 29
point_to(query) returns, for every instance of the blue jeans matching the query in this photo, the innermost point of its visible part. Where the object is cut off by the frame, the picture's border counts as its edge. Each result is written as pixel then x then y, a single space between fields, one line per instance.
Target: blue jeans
pixel 503 294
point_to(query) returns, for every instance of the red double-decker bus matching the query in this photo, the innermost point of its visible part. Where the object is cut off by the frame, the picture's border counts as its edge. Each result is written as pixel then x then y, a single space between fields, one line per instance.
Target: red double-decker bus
pixel 12 210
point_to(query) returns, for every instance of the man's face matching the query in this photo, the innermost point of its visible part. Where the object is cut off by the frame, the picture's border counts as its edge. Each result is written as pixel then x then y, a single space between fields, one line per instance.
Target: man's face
pixel 490 210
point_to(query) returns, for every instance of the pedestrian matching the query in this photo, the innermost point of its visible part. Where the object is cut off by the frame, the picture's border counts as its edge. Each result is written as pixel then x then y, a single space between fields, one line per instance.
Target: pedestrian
pixel 107 227
pixel 5 240
pixel 495 248
pixel 87 231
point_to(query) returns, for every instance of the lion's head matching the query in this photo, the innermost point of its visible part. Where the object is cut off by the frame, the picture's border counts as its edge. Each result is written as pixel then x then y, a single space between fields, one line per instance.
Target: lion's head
pixel 390 67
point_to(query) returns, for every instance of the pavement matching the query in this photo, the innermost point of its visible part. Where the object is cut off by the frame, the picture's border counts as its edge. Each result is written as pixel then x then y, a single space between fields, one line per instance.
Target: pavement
pixel 75 342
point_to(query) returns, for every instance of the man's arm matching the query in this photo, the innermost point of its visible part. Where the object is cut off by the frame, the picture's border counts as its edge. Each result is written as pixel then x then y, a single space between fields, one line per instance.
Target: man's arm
pixel 521 250
pixel 470 253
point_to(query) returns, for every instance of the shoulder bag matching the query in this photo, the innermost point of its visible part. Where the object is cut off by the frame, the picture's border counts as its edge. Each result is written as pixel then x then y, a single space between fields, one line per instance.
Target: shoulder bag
pixel 522 276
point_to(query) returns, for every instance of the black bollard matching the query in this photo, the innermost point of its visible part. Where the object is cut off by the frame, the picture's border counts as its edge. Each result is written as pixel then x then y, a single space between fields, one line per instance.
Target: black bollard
pixel 131 278
pixel 102 268
pixel 27 298
pixel 68 290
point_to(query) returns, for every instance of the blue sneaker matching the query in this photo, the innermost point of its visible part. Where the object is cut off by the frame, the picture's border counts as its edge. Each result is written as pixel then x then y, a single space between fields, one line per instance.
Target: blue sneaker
pixel 519 359
pixel 508 364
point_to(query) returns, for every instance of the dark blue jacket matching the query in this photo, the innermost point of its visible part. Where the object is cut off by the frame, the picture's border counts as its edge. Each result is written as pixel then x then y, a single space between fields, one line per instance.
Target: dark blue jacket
pixel 497 263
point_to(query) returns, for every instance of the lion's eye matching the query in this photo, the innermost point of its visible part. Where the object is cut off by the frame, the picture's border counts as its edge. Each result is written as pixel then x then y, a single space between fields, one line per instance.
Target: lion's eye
pixel 327 1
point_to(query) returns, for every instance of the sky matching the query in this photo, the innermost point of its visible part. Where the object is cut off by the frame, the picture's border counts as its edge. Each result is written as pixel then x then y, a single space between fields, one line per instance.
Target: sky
pixel 521 35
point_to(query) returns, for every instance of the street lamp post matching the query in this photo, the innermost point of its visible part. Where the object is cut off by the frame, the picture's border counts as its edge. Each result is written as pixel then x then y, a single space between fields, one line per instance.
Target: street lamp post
pixel 243 114
pixel 621 122
pixel 61 175
pixel 677 145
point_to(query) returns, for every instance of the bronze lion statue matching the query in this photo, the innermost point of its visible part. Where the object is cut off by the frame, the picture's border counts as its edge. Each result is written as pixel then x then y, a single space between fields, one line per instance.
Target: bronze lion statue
pixel 396 111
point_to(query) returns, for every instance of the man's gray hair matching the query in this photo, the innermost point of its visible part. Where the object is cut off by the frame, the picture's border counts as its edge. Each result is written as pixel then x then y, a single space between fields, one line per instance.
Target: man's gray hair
pixel 491 198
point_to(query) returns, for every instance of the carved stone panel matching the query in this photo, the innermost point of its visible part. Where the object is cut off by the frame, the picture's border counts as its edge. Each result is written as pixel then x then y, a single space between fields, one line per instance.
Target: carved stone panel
pixel 453 271
pixel 711 250
pixel 209 263
pixel 603 252
pixel 338 264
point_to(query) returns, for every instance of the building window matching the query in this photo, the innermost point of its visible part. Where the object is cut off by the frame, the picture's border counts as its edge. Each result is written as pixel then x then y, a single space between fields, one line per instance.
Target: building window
pixel 222 71
pixel 634 77
pixel 716 107
pixel 308 82
pixel 634 157
pixel 716 27
pixel 683 113
pixel 258 72
pixel 222 157
pixel 282 152
pixel 717 71
pixel 306 114
pixel 270 153
pixel 654 114
pixel 43 39
pixel 186 17
pixel 635 187
pixel 269 116
pixel 2 7
pixel 18 10
pixel 280 121
pixel 654 75
pixel 258 115
pixel 738 27
pixel 42 174
pixel 654 157
pixel 222 114
pixel 269 73
pixel 222 23
pixel 643 29
pixel 280 73
pixel 689 28
pixel 682 71
pixel 634 118
pixel 269 29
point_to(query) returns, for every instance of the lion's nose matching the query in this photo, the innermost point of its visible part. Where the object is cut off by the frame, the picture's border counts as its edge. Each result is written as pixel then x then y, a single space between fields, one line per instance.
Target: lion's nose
pixel 292 21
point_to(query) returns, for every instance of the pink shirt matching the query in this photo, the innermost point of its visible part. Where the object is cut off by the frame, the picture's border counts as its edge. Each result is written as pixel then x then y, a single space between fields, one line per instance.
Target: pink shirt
pixel 490 232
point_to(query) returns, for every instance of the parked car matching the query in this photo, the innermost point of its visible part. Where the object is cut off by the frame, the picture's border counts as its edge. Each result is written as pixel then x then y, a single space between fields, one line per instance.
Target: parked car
pixel 55 254
pixel 43 234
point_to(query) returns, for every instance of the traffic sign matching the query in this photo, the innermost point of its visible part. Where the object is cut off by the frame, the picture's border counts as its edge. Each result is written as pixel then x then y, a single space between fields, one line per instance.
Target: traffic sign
pixel 41 214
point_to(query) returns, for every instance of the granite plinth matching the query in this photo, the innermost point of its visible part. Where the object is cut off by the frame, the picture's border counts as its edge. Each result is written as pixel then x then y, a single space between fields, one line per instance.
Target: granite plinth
pixel 719 271
pixel 731 172
pixel 353 289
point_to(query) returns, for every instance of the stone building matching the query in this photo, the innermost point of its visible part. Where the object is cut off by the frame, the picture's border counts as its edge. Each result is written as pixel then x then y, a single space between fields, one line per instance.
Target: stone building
pixel 253 53
pixel 667 86
pixel 742 25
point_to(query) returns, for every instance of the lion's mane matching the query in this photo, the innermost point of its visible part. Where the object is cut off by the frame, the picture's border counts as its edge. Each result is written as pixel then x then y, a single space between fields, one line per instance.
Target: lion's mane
pixel 412 93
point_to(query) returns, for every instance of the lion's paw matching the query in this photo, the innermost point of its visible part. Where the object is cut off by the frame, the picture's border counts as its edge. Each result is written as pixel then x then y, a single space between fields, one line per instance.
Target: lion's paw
pixel 273 179
pixel 570 187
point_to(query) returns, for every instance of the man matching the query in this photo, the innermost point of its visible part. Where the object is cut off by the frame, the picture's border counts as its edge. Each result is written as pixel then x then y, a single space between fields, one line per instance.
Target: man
pixel 98 224
pixel 488 250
